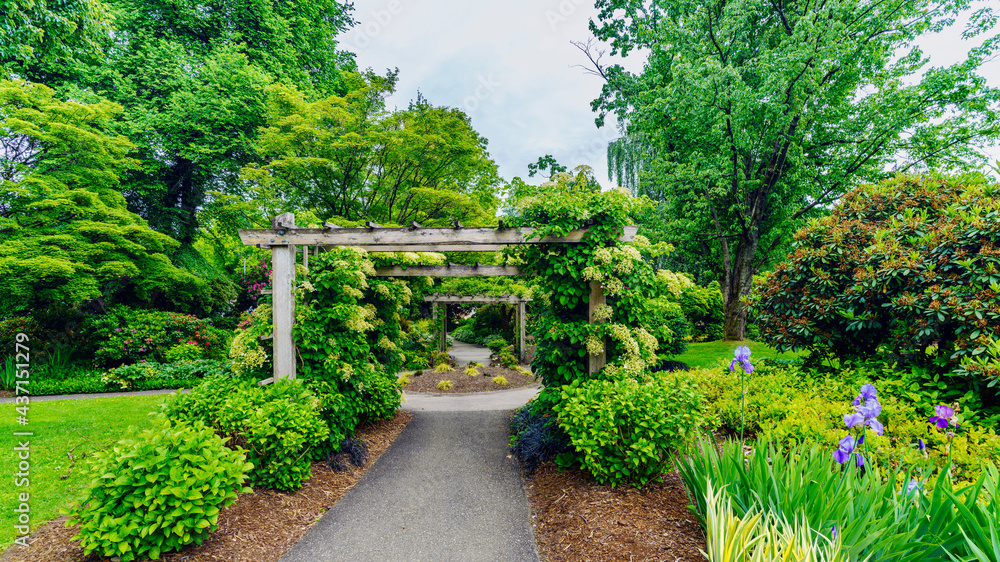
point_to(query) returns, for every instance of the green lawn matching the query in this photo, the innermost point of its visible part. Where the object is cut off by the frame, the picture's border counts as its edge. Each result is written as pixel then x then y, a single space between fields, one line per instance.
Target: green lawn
pixel 716 353
pixel 59 427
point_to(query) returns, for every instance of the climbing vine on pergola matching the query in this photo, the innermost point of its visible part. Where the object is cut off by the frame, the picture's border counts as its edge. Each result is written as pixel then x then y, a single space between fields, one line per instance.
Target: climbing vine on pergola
pixel 284 239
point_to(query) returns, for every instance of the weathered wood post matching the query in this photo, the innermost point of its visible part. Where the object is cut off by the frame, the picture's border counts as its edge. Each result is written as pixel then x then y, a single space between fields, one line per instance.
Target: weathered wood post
pixel 596 362
pixel 520 331
pixel 283 311
pixel 443 345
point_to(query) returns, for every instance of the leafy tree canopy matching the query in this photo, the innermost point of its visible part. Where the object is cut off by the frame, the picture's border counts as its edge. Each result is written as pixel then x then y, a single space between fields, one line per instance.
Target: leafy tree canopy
pixel 191 77
pixel 50 33
pixel 751 115
pixel 66 237
pixel 347 156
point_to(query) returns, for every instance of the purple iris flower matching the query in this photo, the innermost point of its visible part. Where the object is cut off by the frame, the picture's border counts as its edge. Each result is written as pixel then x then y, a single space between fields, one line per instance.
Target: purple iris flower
pixel 920 444
pixel 866 414
pixel 868 392
pixel 834 532
pixel 847 445
pixel 945 415
pixel 743 358
pixel 913 485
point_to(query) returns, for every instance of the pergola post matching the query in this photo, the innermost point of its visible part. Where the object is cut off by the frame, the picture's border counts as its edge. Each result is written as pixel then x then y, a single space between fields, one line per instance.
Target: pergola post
pixel 596 362
pixel 443 344
pixel 283 311
pixel 522 352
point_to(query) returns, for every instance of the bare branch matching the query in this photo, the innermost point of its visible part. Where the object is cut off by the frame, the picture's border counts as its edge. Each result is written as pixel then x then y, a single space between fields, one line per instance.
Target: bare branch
pixel 594 55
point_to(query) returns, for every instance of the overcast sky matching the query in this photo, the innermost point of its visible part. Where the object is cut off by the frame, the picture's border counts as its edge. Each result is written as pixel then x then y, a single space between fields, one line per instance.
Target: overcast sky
pixel 509 65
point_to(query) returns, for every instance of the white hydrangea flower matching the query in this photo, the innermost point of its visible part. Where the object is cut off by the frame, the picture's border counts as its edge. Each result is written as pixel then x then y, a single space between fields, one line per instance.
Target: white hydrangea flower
pixel 614 286
pixel 591 273
pixel 603 255
pixel 603 313
pixel 595 345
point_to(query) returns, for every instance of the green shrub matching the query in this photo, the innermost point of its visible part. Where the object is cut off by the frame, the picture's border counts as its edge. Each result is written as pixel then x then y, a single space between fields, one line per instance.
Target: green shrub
pixel 157 492
pixel 908 267
pixel 188 351
pixel 702 306
pixel 278 424
pixel 497 345
pixel 500 380
pixel 626 430
pixel 444 385
pixel 151 375
pixel 508 361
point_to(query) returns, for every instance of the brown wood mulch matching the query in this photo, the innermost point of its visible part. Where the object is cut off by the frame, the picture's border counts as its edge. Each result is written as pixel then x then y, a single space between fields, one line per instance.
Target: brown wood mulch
pixel 259 527
pixel 460 382
pixel 576 519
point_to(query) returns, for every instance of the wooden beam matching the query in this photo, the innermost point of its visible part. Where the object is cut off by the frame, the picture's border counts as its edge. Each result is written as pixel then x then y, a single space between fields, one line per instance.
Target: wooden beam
pixel 460 238
pixel 509 299
pixel 451 270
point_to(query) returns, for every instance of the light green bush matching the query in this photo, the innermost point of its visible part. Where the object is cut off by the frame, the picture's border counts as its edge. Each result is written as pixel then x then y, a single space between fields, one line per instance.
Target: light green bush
pixel 626 431
pixel 157 492
pixel 278 424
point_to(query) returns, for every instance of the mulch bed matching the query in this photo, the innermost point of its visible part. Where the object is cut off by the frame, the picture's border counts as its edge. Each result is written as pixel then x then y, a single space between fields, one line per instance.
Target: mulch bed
pixel 259 527
pixel 576 519
pixel 460 382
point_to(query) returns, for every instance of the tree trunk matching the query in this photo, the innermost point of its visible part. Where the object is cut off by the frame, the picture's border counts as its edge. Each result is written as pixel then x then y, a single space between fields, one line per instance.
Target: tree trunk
pixel 736 286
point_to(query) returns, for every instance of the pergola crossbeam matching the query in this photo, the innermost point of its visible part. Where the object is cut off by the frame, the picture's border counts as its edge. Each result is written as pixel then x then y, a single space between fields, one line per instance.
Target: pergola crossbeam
pixel 450 270
pixel 455 239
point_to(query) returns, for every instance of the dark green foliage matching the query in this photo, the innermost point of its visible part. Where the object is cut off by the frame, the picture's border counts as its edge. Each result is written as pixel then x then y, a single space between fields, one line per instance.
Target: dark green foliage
pixel 353 451
pixel 278 424
pixel 910 267
pixel 148 374
pixel 627 431
pixel 157 492
pixel 749 116
pixel 536 438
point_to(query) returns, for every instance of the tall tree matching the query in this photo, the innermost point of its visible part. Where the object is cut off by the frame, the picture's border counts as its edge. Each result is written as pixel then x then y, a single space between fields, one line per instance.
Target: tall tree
pixel 192 77
pixel 754 114
pixel 66 238
pixel 39 38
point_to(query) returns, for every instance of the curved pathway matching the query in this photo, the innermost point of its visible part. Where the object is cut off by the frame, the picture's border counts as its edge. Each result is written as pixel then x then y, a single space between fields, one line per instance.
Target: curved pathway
pixel 447 489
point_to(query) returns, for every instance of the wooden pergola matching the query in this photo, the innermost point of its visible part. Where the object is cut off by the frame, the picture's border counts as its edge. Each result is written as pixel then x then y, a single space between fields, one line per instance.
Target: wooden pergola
pixel 435 299
pixel 284 239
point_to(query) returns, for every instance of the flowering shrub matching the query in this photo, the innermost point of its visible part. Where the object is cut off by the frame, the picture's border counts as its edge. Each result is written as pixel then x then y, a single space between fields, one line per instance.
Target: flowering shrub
pixel 249 356
pixel 125 335
pixel 563 334
pixel 347 329
pixel 910 265
pixel 250 284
